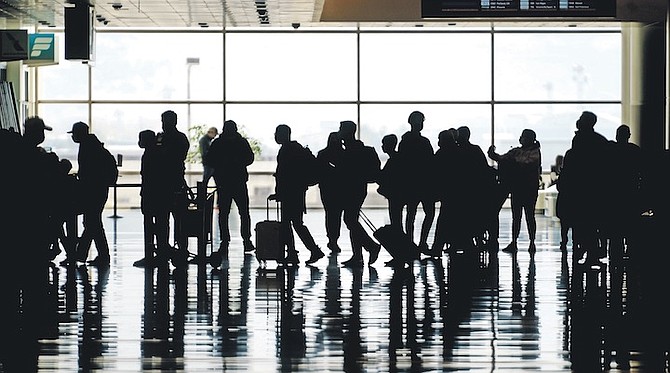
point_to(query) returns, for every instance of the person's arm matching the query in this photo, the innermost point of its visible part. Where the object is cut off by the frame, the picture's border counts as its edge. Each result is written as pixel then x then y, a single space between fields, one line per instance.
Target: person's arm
pixel 492 153
pixel 204 145
pixel 248 153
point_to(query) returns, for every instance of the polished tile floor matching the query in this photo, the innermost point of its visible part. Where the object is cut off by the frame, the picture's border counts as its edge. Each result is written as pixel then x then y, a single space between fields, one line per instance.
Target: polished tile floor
pixel 476 312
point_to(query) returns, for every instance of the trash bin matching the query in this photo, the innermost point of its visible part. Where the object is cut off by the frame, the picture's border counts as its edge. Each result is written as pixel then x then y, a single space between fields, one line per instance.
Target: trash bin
pixel 550 195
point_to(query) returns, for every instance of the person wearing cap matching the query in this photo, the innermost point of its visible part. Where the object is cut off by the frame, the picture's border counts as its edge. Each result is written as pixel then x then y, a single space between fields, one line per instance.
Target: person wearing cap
pixel 44 168
pixel 94 192
pixel 230 155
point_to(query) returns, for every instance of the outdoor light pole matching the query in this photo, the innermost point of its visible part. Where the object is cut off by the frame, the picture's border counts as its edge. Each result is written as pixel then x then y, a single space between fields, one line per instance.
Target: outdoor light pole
pixel 190 62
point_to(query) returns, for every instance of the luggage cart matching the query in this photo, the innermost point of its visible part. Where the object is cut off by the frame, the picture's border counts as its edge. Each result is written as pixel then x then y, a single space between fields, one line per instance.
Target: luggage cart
pixel 196 219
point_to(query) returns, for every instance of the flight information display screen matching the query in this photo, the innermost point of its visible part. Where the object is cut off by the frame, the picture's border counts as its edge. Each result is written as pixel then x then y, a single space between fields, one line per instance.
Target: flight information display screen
pixel 517 8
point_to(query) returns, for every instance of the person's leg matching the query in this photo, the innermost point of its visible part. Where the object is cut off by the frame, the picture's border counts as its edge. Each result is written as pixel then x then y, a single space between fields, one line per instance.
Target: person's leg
pixel 531 224
pixel 99 235
pixel 225 200
pixel 564 234
pixel 395 212
pixel 429 211
pixel 286 233
pixel 517 210
pixel 440 238
pixel 410 218
pixel 359 234
pixel 306 238
pixel 241 198
pixel 351 221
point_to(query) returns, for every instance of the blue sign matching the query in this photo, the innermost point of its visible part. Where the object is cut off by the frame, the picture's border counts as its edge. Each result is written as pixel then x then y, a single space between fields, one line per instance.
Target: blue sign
pixel 41 47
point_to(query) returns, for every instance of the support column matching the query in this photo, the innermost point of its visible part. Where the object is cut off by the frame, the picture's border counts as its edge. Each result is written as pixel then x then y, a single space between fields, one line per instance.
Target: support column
pixel 644 83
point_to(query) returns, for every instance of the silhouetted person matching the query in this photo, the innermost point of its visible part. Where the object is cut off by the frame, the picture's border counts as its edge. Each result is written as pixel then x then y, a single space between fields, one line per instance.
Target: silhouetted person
pixel 417 155
pixel 472 172
pixel 520 168
pixel 94 182
pixel 580 192
pixel 175 147
pixel 203 145
pixel 330 184
pixel 392 180
pixel 625 202
pixel 446 170
pixel 555 171
pixel 154 194
pixel 290 189
pixel 230 155
pixel 67 209
pixel 45 168
pixel 360 166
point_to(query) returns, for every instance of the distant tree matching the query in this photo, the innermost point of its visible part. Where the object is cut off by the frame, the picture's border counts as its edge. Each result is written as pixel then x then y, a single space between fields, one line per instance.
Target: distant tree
pixel 198 131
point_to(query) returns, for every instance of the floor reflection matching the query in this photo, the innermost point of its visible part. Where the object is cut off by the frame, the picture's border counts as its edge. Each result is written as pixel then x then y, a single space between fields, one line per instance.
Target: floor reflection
pixel 465 312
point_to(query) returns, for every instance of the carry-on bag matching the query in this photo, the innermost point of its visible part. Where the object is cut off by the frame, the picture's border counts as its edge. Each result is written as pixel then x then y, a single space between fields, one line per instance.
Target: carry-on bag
pixel 268 240
pixel 394 240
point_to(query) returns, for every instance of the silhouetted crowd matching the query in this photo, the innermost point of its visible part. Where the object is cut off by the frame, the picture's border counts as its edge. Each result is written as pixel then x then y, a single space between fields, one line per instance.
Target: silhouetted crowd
pixel 606 189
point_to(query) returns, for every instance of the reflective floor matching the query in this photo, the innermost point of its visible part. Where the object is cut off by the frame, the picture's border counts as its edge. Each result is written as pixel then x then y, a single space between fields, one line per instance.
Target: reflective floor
pixel 475 312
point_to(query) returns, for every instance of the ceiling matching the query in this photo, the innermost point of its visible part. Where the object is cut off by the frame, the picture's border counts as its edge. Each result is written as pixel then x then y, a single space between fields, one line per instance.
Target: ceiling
pixel 254 13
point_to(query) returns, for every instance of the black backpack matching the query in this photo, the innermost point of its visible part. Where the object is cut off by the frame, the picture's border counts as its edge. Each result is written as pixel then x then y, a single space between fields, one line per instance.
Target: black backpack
pixel 109 171
pixel 310 167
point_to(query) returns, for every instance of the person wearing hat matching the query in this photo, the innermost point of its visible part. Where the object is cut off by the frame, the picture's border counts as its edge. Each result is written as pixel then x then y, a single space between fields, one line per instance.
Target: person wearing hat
pixel 43 167
pixel 94 182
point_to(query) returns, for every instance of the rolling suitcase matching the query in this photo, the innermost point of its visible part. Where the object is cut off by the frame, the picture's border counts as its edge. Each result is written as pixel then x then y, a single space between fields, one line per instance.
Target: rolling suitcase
pixel 268 240
pixel 394 240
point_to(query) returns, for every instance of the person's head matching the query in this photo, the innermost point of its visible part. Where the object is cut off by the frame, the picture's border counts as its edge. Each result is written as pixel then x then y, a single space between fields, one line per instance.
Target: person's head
pixel 623 134
pixel 415 120
pixel 389 143
pixel 212 132
pixel 347 130
pixel 282 134
pixel 147 139
pixel 527 137
pixel 65 166
pixel 586 121
pixel 334 140
pixel 229 128
pixel 559 160
pixel 447 137
pixel 169 121
pixel 34 128
pixel 463 135
pixel 79 131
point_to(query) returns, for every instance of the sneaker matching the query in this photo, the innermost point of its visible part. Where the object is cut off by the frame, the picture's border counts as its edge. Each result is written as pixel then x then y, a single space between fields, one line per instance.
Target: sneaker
pixel 374 254
pixel 144 262
pixel 100 261
pixel 316 255
pixel 248 246
pixel 67 261
pixel 423 249
pixel 292 258
pixel 563 247
pixel 215 259
pixel 353 262
pixel 511 248
pixel 334 247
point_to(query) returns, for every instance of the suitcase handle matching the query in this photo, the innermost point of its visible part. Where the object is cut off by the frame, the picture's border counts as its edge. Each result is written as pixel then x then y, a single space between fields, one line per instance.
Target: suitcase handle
pixel 367 221
pixel 267 208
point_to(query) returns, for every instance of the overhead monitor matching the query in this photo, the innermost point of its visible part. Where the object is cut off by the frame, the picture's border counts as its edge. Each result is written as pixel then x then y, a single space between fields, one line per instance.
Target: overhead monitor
pixel 518 8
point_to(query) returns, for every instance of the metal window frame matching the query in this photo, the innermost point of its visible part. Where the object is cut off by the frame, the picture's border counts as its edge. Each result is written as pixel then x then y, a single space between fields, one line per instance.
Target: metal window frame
pixel 357 31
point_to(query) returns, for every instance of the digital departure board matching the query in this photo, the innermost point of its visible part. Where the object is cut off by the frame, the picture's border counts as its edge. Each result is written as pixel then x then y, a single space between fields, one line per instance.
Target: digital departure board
pixel 517 8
